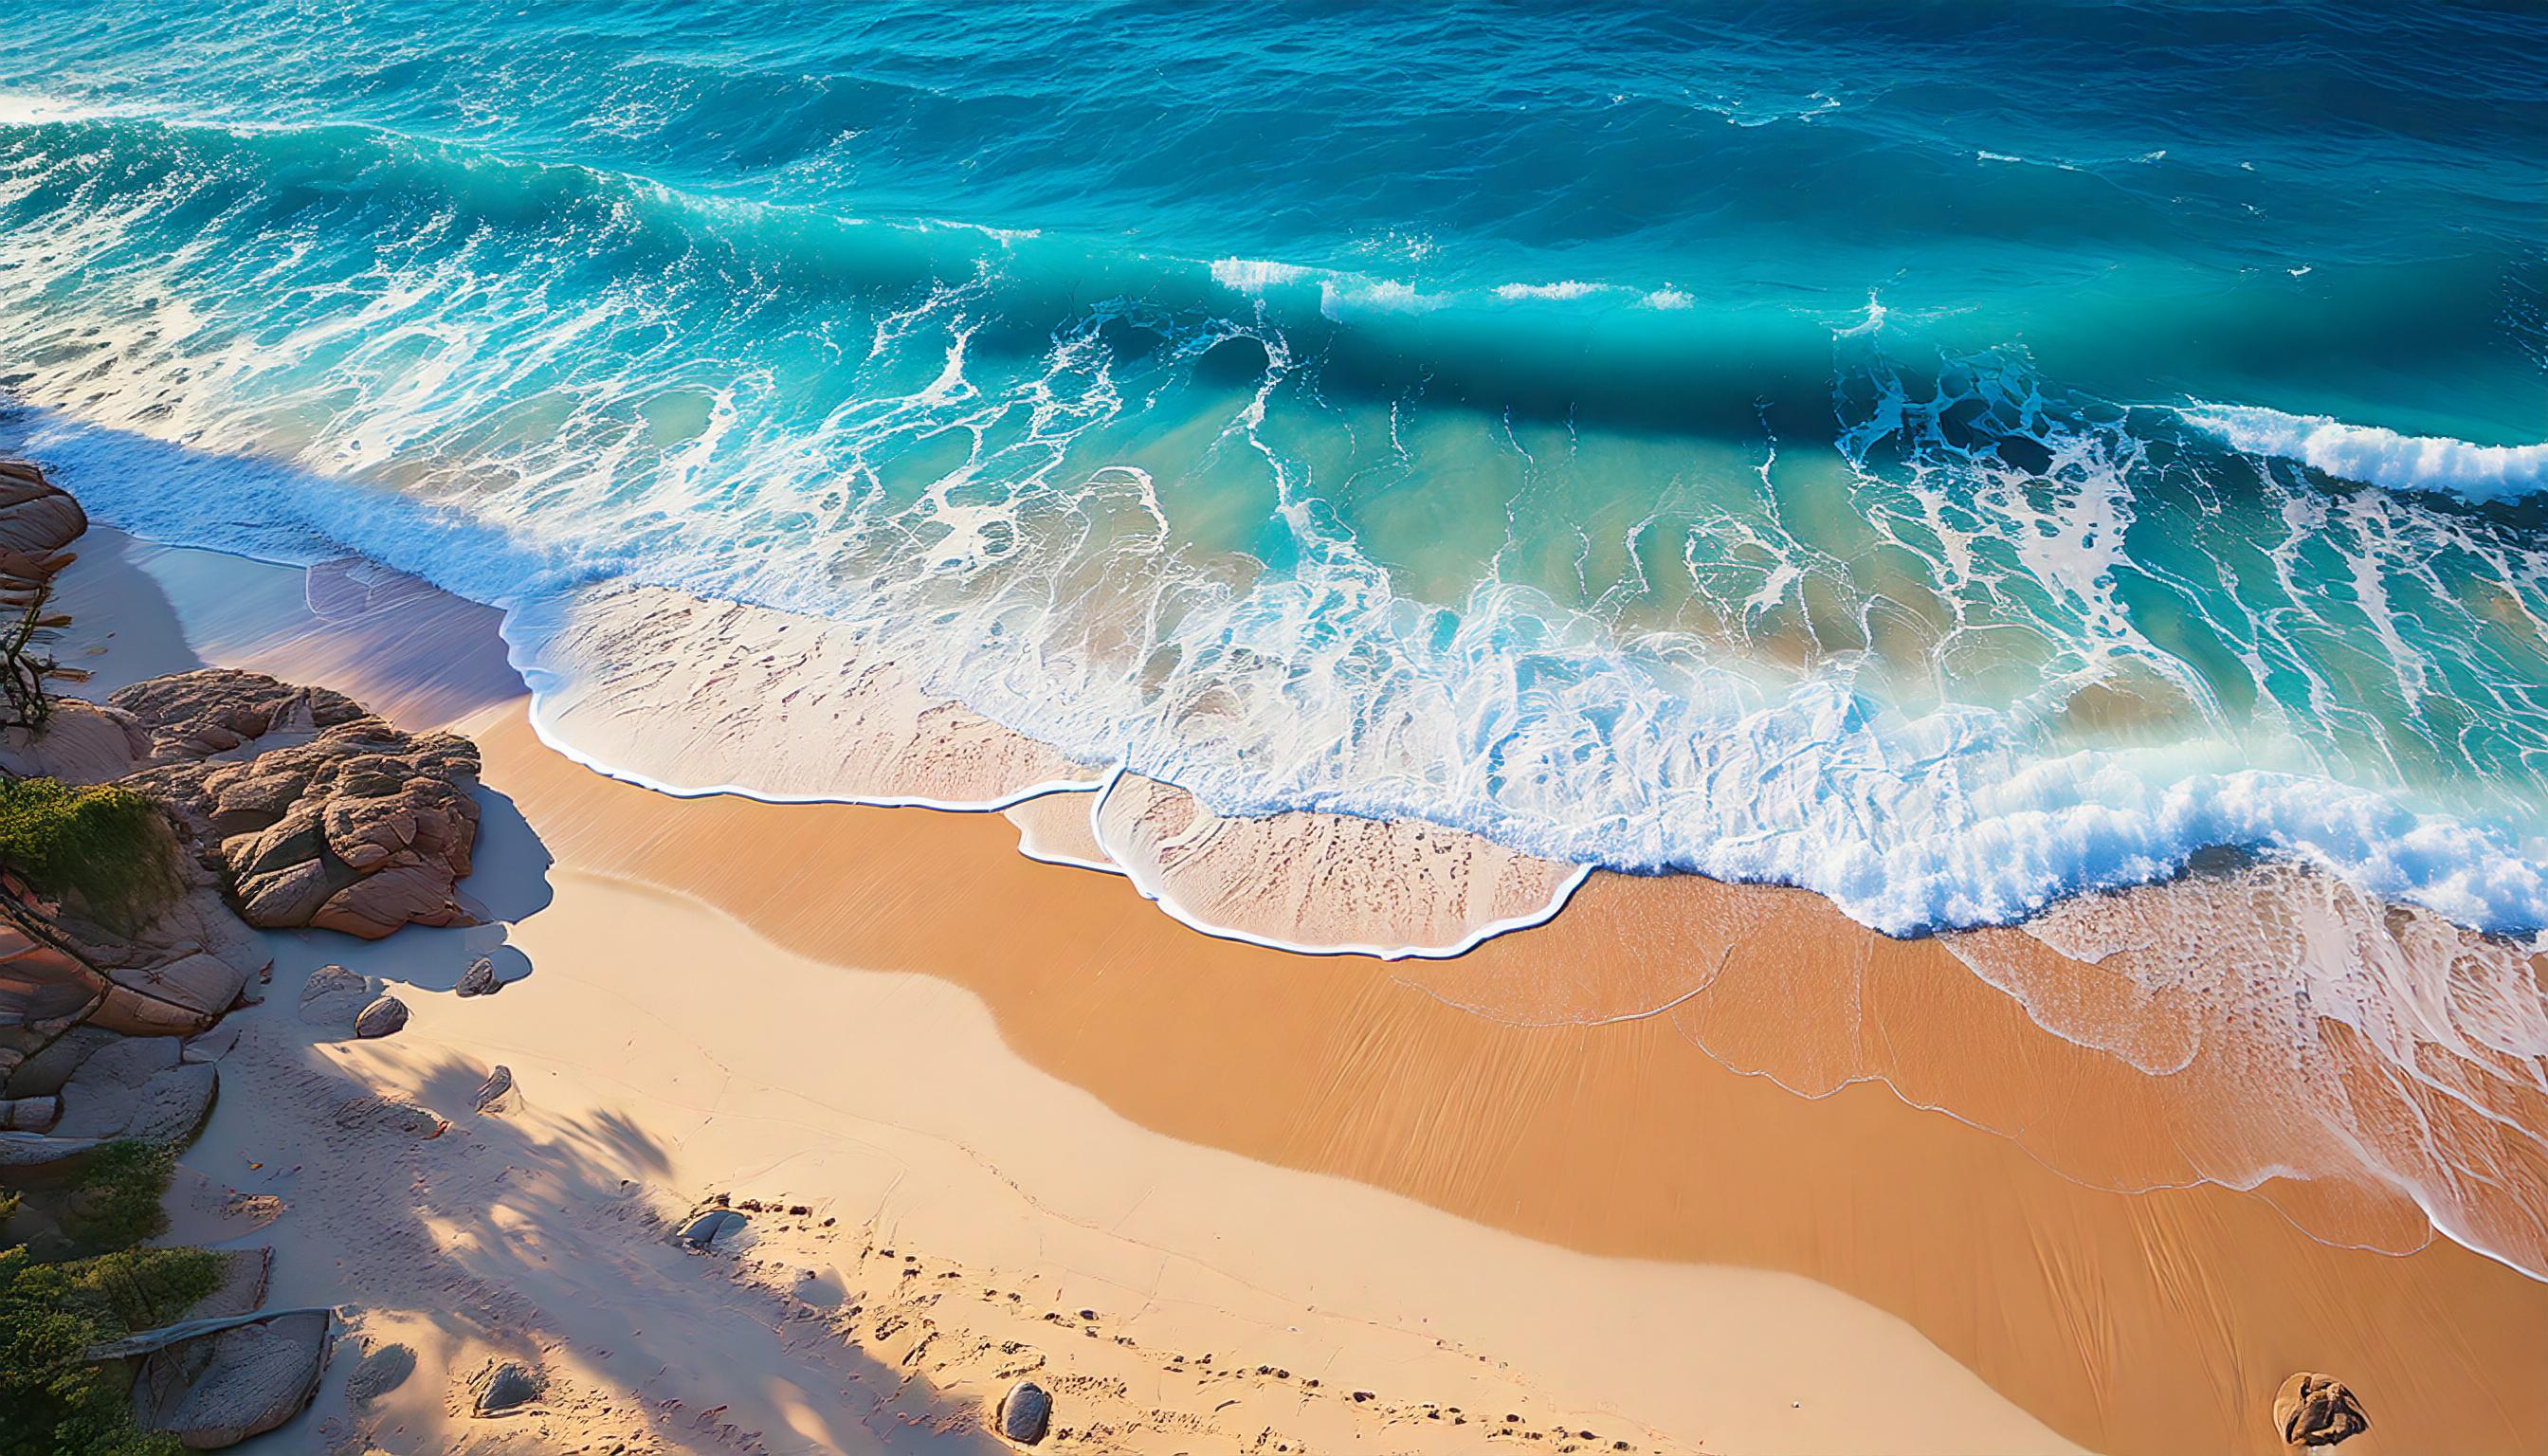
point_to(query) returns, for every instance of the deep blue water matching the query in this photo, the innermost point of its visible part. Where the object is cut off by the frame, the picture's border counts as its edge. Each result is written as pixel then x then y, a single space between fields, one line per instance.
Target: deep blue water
pixel 1944 456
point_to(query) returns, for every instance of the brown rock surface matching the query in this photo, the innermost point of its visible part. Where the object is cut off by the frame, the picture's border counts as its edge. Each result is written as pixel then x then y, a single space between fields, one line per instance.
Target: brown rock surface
pixel 315 812
pixel 37 520
pixel 174 976
pixel 2313 1410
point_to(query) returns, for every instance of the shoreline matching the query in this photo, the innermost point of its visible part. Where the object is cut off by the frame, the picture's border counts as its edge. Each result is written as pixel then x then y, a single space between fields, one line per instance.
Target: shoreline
pixel 1035 1184
pixel 1315 1038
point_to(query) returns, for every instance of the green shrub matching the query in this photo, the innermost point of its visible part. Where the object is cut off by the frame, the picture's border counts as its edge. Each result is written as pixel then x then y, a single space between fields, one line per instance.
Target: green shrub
pixel 54 1403
pixel 115 1204
pixel 107 846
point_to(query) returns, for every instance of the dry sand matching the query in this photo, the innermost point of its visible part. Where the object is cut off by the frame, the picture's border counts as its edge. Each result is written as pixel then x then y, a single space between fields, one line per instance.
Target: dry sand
pixel 1032 1081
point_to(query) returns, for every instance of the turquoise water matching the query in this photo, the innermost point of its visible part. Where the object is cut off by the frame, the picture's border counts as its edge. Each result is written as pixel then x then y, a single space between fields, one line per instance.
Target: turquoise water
pixel 1945 459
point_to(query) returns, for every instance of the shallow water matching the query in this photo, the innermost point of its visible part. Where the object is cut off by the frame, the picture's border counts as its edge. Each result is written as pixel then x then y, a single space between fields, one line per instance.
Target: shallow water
pixel 1945 463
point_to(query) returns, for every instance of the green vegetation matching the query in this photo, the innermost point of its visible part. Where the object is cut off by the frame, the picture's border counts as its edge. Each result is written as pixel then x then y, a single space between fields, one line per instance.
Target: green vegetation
pixel 115 1205
pixel 107 845
pixel 53 1402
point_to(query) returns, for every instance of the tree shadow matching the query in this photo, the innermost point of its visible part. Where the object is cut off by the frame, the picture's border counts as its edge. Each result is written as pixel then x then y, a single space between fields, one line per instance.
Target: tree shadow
pixel 547 1241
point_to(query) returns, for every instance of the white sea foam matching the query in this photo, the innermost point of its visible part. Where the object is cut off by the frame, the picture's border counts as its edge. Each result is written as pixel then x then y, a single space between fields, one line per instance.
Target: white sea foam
pixel 1565 289
pixel 2377 456
pixel 1255 275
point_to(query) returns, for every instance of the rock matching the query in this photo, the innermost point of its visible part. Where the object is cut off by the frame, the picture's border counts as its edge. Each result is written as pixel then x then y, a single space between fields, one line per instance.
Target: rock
pixel 174 975
pixel 83 743
pixel 503 1387
pixel 704 1231
pixel 382 1018
pixel 1025 1412
pixel 315 812
pixel 50 1070
pixel 28 1113
pixel 188 716
pixel 38 518
pixel 212 1046
pixel 242 1283
pixel 495 1095
pixel 334 997
pixel 29 1151
pixel 480 978
pixel 220 1389
pixel 2312 1409
pixel 137 1087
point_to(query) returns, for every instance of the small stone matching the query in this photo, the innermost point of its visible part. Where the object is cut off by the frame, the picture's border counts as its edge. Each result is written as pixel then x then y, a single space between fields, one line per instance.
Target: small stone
pixel 479 979
pixel 2313 1410
pixel 382 1018
pixel 704 1231
pixel 1025 1412
pixel 495 1094
pixel 504 1388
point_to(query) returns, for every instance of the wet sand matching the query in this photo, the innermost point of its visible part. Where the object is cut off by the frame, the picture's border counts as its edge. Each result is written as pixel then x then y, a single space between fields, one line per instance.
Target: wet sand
pixel 2150 1323
pixel 1594 1118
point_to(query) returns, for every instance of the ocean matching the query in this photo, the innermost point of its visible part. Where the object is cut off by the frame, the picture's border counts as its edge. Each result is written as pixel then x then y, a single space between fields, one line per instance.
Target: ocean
pixel 1949 458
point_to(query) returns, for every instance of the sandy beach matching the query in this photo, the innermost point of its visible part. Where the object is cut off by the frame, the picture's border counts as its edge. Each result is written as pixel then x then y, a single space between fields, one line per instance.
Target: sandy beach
pixel 1638 729
pixel 1009 1091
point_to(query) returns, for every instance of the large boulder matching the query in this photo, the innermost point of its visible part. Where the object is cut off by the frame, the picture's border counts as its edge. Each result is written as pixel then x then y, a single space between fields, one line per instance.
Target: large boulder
pixel 220 1389
pixel 136 1087
pixel 179 973
pixel 38 518
pixel 2313 1410
pixel 313 812
pixel 174 975
pixel 214 712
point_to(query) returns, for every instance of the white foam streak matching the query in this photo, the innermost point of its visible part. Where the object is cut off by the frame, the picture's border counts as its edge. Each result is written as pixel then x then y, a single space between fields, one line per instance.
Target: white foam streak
pixel 2377 456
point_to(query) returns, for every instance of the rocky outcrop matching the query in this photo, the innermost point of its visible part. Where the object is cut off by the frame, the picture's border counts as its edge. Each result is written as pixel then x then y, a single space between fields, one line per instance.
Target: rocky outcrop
pixel 226 713
pixel 313 812
pixel 177 974
pixel 221 1387
pixel 2313 1410
pixel 136 1087
pixel 38 520
pixel 1025 1412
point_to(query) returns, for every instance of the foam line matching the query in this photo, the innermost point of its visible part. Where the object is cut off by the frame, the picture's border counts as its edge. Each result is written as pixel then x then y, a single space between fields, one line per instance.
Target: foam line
pixel 2379 457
